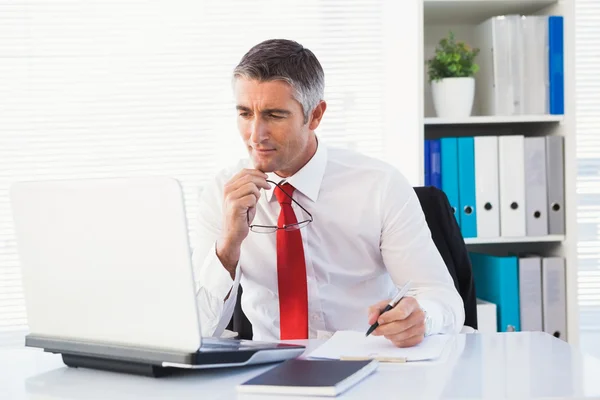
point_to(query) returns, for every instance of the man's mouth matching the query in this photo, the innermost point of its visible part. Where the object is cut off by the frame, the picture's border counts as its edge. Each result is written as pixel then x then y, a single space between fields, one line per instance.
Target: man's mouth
pixel 263 151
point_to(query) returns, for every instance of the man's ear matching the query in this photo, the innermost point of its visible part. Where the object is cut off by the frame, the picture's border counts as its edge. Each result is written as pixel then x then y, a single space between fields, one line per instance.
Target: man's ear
pixel 317 115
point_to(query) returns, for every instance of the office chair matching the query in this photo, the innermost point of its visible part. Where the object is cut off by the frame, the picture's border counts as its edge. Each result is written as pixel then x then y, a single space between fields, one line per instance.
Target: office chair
pixel 448 239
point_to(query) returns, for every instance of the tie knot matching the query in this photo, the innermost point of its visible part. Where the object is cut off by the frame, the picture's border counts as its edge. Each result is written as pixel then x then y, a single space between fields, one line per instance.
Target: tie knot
pixel 281 197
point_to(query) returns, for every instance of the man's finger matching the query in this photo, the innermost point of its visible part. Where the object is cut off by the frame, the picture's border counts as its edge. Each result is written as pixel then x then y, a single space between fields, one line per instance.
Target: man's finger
pixel 414 325
pixel 399 326
pixel 244 190
pixel 376 309
pixel 234 185
pixel 409 342
pixel 248 171
pixel 403 309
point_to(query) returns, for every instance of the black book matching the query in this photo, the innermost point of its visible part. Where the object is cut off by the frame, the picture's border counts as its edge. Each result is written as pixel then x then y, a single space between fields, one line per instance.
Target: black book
pixel 310 377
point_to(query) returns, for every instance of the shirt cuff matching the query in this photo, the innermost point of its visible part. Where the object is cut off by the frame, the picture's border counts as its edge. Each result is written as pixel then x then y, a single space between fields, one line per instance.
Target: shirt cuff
pixel 435 314
pixel 218 280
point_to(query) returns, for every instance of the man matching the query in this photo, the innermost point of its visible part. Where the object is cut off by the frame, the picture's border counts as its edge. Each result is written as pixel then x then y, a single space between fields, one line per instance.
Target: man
pixel 315 235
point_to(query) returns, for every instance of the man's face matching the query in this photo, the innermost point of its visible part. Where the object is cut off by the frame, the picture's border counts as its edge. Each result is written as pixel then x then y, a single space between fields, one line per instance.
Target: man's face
pixel 271 124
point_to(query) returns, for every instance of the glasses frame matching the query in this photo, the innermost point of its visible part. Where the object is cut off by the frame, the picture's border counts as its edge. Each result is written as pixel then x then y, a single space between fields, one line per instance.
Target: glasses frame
pixel 290 227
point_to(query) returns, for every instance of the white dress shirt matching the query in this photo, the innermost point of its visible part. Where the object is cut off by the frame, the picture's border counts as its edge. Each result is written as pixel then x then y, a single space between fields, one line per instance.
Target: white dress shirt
pixel 368 237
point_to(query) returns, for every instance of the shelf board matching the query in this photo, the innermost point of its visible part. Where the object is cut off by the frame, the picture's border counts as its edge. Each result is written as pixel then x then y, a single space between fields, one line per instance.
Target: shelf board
pixel 475 11
pixel 494 119
pixel 527 239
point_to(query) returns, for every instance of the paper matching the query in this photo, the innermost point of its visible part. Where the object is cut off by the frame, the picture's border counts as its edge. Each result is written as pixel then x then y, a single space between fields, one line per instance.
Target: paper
pixel 354 345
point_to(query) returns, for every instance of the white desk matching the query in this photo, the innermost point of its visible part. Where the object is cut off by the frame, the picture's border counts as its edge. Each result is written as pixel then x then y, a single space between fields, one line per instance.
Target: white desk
pixel 477 366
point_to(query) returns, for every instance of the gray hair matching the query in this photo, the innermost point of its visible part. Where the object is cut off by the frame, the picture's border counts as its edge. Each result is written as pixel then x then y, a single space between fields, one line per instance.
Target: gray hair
pixel 289 61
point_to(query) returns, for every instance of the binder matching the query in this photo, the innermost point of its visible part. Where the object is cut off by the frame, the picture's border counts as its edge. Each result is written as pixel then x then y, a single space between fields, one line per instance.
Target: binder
pixel 556 64
pixel 536 190
pixel 427 166
pixel 497 281
pixel 530 293
pixel 498 85
pixel 486 186
pixel 436 163
pixel 554 303
pixel 534 29
pixel 555 176
pixel 511 165
pixel 449 151
pixel 466 187
pixel 486 317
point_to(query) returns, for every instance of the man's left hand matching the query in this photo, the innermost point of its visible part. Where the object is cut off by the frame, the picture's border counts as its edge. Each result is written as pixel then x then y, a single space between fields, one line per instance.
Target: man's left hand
pixel 403 325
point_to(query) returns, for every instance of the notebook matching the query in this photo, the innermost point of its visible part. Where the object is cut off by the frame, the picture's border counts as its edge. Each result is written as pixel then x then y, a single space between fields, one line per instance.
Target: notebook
pixel 310 377
pixel 350 345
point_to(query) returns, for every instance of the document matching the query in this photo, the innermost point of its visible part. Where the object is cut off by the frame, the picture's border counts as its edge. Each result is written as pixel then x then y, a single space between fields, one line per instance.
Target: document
pixel 351 345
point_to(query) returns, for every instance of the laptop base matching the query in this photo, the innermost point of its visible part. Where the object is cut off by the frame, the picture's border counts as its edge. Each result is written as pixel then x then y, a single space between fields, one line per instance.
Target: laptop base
pixel 156 363
pixel 112 365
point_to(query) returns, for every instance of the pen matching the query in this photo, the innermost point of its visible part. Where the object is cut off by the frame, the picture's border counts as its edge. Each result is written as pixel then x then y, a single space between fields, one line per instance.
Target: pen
pixel 391 305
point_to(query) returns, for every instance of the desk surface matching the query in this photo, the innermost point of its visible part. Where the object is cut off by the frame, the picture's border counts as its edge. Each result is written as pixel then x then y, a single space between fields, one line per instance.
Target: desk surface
pixel 476 366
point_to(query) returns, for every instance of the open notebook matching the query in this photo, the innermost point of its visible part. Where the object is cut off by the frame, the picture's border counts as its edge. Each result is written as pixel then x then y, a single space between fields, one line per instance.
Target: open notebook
pixel 350 345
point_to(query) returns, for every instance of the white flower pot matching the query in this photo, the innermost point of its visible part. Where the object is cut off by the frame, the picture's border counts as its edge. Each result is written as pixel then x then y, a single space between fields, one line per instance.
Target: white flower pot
pixel 453 97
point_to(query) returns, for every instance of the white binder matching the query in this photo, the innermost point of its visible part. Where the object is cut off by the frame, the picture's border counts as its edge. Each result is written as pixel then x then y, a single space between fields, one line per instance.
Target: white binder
pixel 554 302
pixel 487 198
pixel 534 29
pixel 530 293
pixel 499 85
pixel 486 317
pixel 536 189
pixel 511 165
pixel 555 175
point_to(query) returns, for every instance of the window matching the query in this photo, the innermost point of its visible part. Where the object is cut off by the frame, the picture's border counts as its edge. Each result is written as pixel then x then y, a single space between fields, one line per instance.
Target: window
pixel 587 36
pixel 98 88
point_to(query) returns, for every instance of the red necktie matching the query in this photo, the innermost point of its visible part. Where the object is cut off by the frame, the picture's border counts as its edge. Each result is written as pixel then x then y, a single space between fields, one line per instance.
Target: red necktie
pixel 291 272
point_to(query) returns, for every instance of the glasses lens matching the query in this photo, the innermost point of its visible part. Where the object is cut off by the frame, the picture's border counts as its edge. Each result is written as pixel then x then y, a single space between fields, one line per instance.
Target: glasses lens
pixel 263 229
pixel 297 226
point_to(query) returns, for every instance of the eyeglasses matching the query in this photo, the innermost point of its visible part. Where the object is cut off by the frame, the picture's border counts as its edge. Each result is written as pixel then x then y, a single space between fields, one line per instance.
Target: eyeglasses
pixel 290 227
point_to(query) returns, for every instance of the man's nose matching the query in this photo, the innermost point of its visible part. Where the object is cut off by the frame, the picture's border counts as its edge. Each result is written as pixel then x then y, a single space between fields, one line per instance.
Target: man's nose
pixel 258 131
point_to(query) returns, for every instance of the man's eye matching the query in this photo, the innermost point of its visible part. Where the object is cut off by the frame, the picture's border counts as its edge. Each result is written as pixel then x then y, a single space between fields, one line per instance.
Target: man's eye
pixel 275 116
pixel 244 115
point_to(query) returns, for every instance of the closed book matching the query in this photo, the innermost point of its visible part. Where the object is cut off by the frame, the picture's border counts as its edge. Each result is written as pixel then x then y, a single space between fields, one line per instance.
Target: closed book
pixel 310 377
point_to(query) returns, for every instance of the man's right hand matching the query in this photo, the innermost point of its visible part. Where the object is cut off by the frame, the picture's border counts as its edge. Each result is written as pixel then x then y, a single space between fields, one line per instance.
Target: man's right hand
pixel 240 197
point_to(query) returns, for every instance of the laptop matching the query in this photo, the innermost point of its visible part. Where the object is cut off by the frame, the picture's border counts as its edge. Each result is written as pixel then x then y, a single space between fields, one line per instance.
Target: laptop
pixel 109 282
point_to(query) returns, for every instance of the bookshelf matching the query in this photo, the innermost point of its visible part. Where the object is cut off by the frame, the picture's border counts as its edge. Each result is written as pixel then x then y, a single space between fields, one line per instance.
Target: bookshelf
pixel 440 16
pixel 494 119
pixel 508 239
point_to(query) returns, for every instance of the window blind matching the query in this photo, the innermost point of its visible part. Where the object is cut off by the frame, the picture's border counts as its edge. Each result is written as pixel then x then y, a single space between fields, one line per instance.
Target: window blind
pixel 587 48
pixel 103 88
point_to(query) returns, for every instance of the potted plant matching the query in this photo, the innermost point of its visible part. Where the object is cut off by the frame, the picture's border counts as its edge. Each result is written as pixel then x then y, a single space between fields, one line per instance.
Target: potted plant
pixel 451 74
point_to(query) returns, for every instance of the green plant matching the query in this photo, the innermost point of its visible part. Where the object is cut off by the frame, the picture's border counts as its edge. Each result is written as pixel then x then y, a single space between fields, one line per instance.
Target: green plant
pixel 452 59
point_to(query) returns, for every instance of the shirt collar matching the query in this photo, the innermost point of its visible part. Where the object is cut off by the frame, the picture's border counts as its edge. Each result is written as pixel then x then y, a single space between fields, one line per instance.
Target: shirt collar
pixel 308 179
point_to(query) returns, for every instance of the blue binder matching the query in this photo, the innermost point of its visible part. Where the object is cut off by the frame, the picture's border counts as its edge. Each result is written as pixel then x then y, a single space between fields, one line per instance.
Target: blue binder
pixel 497 281
pixel 449 152
pixel 556 65
pixel 466 186
pixel 436 163
pixel 427 164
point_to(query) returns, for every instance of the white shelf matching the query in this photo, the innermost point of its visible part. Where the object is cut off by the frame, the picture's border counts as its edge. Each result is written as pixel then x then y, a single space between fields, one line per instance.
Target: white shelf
pixel 494 119
pixel 527 239
pixel 476 11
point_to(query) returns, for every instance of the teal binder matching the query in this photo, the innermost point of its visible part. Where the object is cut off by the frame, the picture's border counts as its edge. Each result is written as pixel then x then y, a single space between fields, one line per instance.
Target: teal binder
pixel 466 187
pixel 449 152
pixel 497 281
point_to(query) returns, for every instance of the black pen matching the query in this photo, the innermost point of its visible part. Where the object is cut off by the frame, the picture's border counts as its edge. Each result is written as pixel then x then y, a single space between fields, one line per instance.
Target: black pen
pixel 391 305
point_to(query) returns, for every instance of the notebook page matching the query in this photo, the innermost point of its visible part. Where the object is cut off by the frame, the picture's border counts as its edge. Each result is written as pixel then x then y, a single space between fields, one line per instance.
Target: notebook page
pixel 350 344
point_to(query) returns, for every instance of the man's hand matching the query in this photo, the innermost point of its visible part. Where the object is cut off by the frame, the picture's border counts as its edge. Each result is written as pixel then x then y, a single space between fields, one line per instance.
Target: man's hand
pixel 239 206
pixel 403 325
